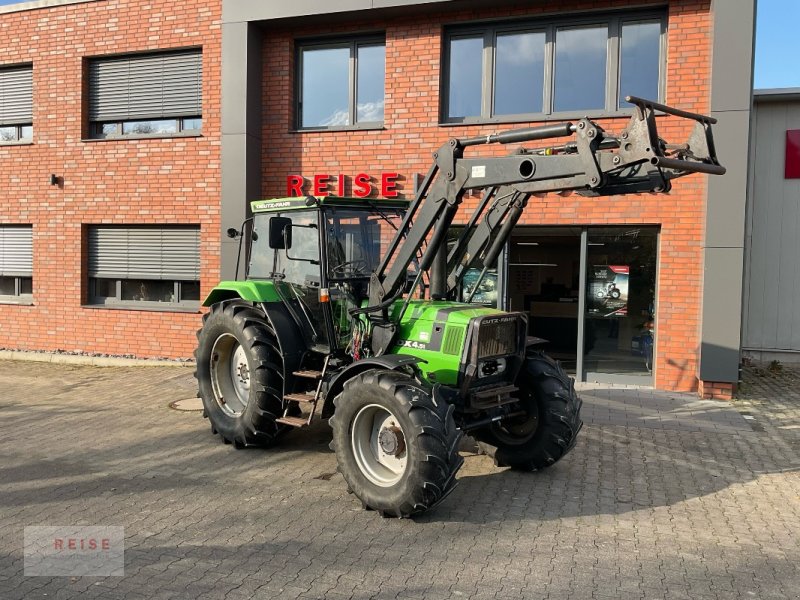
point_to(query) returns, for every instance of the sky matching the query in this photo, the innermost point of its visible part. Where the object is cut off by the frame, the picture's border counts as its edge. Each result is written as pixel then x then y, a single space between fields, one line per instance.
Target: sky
pixel 777 43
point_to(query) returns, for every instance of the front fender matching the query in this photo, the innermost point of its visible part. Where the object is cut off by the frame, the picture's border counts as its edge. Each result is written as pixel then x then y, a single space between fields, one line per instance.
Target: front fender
pixel 391 362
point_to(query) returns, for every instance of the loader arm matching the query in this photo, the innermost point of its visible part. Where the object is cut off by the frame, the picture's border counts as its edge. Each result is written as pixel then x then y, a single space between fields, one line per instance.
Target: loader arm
pixel 594 163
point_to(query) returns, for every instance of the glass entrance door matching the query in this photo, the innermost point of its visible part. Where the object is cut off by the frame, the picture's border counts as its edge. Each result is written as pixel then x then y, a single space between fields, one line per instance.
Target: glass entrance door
pixel 619 326
pixel 592 289
pixel 544 282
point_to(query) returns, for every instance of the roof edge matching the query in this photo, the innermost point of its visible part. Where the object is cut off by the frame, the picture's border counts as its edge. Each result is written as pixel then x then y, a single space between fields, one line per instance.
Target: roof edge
pixel 776 94
pixel 37 4
pixel 236 11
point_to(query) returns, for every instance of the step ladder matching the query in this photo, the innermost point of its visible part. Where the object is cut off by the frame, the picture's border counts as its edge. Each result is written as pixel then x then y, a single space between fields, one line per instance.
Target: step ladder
pixel 304 399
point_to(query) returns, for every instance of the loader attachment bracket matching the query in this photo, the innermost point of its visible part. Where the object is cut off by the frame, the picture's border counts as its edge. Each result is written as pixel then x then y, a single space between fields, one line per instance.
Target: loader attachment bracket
pixel 641 140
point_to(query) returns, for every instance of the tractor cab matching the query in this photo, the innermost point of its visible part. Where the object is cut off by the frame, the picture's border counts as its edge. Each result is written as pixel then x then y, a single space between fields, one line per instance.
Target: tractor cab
pixel 320 255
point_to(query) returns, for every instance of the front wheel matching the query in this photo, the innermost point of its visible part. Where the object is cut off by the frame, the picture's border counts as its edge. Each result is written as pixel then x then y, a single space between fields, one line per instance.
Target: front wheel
pixel 397 447
pixel 549 427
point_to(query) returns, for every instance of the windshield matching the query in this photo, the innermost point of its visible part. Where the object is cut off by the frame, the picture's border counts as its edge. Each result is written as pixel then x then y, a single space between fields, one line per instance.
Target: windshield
pixel 358 239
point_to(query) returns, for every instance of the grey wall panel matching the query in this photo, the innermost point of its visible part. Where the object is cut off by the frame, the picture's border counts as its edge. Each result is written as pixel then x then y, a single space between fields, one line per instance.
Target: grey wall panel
pixel 734 32
pixel 727 195
pixel 772 312
pixel 241 130
pixel 726 204
pixel 719 348
pixel 235 52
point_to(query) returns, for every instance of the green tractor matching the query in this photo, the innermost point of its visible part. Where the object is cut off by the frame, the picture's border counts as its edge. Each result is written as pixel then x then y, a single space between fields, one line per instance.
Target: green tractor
pixel 351 304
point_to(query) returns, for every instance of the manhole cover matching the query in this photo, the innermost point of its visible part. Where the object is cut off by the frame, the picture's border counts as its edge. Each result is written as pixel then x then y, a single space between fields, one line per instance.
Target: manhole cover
pixel 187 404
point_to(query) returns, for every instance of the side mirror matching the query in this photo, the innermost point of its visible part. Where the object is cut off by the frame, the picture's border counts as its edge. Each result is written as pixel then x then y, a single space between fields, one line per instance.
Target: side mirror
pixel 280 233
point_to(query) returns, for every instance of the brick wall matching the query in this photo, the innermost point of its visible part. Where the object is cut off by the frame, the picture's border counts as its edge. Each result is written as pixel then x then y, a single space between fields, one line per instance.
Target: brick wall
pixel 412 131
pixel 710 390
pixel 153 181
pixel 163 181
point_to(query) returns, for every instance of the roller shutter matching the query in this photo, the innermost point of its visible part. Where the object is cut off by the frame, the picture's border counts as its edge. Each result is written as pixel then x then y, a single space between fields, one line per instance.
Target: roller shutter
pixel 16 96
pixel 152 86
pixel 16 250
pixel 168 253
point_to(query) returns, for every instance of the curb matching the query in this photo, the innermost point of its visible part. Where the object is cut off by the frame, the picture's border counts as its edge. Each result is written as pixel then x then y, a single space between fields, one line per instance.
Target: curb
pixel 92 361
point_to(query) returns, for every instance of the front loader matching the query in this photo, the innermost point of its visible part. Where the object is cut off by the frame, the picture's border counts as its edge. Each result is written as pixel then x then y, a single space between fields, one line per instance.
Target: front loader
pixel 347 309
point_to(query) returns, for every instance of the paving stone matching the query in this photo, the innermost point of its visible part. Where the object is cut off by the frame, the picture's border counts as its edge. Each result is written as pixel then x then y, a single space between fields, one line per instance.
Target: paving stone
pixel 664 496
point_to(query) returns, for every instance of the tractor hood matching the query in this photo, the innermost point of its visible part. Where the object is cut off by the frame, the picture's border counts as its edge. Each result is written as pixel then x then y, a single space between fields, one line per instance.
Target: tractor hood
pixel 441 311
pixel 436 331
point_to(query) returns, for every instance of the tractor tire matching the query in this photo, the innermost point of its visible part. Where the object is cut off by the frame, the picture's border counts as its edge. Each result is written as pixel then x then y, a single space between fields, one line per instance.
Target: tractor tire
pixel 240 375
pixel 396 447
pixel 549 429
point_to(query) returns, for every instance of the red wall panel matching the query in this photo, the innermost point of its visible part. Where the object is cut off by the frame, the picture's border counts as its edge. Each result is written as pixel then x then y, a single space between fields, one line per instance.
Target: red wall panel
pixel 793 154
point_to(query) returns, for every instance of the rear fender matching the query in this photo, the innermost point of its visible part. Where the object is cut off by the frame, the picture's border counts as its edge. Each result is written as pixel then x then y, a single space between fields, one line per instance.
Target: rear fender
pixel 251 290
pixel 290 340
pixel 391 362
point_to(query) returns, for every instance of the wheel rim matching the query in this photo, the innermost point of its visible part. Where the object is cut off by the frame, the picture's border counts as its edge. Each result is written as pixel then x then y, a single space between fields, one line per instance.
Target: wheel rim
pixel 521 429
pixel 378 444
pixel 230 375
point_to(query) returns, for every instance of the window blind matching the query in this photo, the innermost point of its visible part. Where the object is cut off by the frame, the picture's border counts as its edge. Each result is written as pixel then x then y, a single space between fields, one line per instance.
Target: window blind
pixel 16 250
pixel 144 252
pixel 16 96
pixel 140 87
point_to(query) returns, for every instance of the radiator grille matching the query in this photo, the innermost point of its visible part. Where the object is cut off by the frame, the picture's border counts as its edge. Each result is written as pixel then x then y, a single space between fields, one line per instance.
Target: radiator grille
pixel 453 337
pixel 497 337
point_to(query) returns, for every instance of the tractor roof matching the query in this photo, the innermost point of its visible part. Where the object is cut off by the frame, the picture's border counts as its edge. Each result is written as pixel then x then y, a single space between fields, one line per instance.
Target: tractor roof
pixel 284 204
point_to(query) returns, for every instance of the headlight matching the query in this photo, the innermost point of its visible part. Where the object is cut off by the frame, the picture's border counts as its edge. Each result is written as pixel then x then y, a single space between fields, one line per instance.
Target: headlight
pixel 495 366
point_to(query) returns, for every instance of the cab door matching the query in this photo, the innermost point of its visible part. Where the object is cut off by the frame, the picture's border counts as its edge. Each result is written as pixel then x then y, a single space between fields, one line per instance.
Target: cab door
pixel 297 272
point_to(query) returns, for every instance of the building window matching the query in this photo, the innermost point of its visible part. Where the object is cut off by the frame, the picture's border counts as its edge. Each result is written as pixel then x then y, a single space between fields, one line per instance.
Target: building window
pixel 16 104
pixel 341 84
pixel 535 69
pixel 16 263
pixel 144 266
pixel 157 95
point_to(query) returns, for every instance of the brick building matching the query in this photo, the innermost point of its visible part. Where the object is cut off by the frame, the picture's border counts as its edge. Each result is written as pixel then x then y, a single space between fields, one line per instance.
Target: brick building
pixel 159 120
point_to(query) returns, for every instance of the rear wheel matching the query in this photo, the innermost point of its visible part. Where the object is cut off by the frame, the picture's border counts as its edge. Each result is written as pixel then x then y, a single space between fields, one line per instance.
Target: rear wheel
pixel 397 447
pixel 548 429
pixel 240 375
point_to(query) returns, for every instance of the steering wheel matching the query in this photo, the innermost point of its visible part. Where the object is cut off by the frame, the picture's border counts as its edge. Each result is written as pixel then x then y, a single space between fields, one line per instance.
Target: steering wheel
pixel 356 266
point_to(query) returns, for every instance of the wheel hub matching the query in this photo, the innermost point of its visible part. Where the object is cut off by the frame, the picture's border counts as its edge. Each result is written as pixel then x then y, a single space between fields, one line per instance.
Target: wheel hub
pixel 243 373
pixel 519 430
pixel 379 445
pixel 230 375
pixel 391 440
